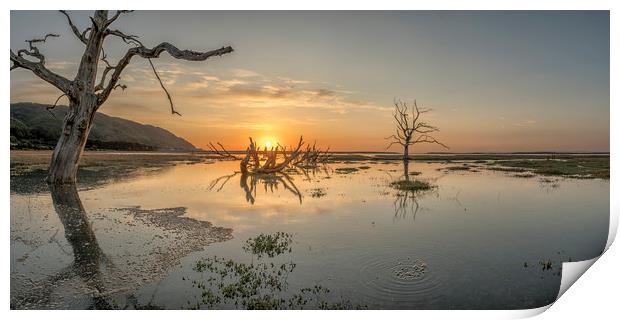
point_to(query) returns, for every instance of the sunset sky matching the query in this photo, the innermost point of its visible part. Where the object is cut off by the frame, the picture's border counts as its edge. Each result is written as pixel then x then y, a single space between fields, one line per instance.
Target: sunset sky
pixel 496 81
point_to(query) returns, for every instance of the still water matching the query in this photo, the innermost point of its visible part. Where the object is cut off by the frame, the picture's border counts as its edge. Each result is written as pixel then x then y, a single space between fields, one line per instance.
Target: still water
pixel 480 239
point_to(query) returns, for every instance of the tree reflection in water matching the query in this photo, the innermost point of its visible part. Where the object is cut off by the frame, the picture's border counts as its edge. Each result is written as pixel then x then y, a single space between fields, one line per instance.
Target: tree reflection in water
pixel 151 242
pixel 249 183
pixel 406 199
pixel 88 258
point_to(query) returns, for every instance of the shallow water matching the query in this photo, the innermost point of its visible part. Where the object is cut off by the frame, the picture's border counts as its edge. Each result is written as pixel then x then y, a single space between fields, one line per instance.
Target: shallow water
pixel 473 242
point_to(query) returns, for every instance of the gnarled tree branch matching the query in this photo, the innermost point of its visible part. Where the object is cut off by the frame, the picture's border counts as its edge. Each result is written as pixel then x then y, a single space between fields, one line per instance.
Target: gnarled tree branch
pixel 221 151
pixel 150 53
pixel 115 16
pixel 128 39
pixel 164 88
pixel 80 35
pixel 58 81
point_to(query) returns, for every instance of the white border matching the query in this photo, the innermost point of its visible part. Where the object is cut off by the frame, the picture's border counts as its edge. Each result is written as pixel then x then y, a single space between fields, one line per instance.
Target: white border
pixel 594 294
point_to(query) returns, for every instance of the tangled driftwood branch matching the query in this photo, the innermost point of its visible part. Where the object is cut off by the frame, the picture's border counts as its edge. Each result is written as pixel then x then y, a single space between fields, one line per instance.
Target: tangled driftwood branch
pixel 252 162
pixel 311 157
pixel 275 159
pixel 221 151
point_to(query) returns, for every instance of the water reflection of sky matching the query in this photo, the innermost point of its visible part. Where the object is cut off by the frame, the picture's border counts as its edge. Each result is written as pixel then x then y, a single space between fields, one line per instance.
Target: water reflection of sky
pixel 474 232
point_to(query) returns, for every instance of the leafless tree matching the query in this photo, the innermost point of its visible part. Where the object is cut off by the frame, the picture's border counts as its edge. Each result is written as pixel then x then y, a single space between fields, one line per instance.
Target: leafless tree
pixel 84 92
pixel 411 129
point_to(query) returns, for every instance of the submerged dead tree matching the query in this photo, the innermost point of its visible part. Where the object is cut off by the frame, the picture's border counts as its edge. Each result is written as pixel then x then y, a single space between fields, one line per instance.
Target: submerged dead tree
pixel 270 166
pixel 87 92
pixel 251 161
pixel 411 129
pixel 268 160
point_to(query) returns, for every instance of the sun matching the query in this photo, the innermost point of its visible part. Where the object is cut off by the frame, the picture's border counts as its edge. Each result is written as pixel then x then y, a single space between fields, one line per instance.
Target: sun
pixel 268 142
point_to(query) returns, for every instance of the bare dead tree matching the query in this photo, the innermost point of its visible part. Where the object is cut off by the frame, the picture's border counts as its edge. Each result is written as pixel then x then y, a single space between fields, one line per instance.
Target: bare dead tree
pixel 267 160
pixel 410 129
pixel 252 162
pixel 84 92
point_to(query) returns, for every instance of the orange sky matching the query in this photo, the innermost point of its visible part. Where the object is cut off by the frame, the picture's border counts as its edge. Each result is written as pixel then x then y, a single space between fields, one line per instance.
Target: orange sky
pixel 519 81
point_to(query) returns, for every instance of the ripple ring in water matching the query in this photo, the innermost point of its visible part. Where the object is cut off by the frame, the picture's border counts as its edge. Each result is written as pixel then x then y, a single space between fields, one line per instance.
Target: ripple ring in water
pixel 403 280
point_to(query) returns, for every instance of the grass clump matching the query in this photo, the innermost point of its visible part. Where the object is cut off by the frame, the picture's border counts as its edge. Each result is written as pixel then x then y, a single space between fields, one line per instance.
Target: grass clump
pixel 269 244
pixel 458 168
pixel 318 193
pixel 346 170
pixel 524 175
pixel 411 185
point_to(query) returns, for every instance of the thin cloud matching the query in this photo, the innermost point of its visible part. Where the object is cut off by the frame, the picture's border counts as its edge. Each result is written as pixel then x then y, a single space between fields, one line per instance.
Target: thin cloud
pixel 526 123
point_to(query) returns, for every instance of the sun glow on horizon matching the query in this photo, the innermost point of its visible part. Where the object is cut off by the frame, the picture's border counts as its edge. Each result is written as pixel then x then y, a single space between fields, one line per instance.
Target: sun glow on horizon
pixel 268 142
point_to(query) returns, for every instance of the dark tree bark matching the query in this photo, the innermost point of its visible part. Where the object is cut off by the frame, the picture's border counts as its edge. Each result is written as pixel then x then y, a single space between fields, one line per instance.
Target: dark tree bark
pixel 84 93
pixel 406 168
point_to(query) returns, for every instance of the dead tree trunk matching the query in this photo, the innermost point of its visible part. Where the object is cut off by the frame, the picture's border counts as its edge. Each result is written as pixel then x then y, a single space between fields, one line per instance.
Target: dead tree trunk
pixel 406 152
pixel 406 169
pixel 84 92
pixel 83 104
pixel 66 156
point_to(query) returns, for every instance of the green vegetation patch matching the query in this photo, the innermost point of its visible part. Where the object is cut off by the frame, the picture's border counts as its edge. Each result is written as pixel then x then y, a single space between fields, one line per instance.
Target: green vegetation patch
pixel 262 284
pixel 576 167
pixel 269 244
pixel 504 169
pixel 411 185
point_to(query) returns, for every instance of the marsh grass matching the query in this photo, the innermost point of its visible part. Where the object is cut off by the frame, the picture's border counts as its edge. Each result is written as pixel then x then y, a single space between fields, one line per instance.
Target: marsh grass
pixel 269 244
pixel 411 185
pixel 504 169
pixel 577 167
pixel 346 170
pixel 524 175
pixel 258 285
pixel 459 168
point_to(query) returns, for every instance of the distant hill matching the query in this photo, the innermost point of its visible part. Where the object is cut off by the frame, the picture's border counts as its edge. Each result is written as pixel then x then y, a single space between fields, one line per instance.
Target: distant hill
pixel 33 127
